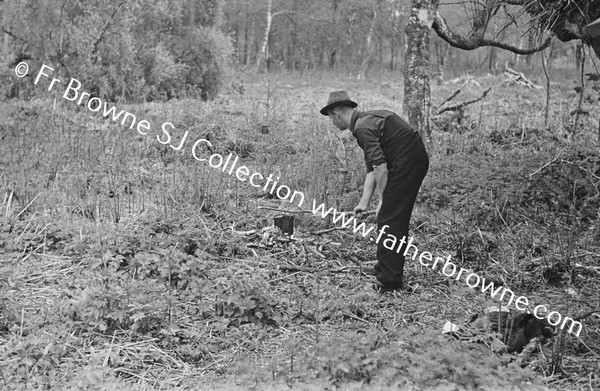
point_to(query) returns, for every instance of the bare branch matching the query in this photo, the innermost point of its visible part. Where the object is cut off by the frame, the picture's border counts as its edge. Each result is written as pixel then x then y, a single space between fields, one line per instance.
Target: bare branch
pixel 476 39
pixel 462 104
pixel 10 33
pixel 448 99
pixel 516 50
pixel 105 29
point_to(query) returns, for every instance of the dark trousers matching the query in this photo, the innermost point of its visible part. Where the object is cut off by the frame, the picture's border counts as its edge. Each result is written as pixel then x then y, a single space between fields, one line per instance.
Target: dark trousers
pixel 404 180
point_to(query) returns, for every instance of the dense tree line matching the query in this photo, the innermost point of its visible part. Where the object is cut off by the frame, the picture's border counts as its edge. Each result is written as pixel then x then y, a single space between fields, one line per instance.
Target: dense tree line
pixel 137 49
pixel 312 34
pixel 145 49
pixel 356 33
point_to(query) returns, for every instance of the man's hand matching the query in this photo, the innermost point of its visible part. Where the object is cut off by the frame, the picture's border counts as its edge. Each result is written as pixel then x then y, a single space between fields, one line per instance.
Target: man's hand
pixel 360 208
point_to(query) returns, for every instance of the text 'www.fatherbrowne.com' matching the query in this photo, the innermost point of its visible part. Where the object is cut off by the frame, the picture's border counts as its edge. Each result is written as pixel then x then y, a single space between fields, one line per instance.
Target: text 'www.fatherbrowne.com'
pixel 230 165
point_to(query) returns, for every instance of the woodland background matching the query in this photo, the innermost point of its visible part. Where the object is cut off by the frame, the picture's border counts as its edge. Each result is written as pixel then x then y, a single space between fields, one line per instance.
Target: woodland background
pixel 127 265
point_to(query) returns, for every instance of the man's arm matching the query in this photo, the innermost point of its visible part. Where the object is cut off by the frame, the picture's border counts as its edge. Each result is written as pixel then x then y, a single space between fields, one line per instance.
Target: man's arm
pixel 368 189
pixel 374 179
pixel 381 178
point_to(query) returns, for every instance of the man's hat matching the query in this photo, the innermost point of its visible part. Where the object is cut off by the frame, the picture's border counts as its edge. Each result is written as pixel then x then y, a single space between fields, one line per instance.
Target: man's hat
pixel 338 98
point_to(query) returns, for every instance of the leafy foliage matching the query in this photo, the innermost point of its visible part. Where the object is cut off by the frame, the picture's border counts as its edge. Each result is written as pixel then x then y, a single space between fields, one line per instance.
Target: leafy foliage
pixel 141 50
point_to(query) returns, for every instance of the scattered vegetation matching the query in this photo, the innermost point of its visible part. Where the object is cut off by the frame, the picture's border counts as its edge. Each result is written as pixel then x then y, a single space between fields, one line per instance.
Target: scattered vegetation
pixel 128 265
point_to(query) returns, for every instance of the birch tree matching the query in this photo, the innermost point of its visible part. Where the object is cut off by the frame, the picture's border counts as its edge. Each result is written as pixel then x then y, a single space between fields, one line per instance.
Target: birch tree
pixel 263 56
pixel 417 93
pixel 368 44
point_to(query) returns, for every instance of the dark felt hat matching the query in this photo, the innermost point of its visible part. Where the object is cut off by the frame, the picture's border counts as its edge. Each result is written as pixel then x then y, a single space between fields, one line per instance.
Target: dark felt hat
pixel 337 98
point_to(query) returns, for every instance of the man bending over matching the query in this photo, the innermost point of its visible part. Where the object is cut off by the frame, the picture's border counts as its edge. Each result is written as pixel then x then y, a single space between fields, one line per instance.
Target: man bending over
pixel 396 166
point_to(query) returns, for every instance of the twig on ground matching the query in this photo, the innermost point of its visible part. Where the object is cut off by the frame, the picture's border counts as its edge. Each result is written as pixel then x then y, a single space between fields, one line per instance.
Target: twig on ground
pixel 583 316
pixel 284 210
pixel 366 212
pixel 28 205
pixel 448 99
pixel 519 78
pixel 8 201
pixel 324 231
pixel 244 233
pixel 544 166
pixel 581 168
pixel 356 261
pixel 462 104
pixel 217 362
pixel 314 251
pixel 351 315
pixel 595 269
pixel 297 269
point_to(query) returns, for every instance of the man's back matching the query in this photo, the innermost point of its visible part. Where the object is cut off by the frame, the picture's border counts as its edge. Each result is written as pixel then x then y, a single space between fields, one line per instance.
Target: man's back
pixel 393 135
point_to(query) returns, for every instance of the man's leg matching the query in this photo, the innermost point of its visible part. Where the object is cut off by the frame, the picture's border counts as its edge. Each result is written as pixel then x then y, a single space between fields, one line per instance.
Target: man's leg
pixel 398 202
pixel 397 217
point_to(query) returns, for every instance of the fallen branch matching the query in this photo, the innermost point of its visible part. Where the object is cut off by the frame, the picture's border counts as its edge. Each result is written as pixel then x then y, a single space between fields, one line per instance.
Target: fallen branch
pixel 519 78
pixel 297 269
pixel 585 315
pixel 324 231
pixel 316 253
pixel 353 316
pixel 462 104
pixel 366 212
pixel 284 210
pixel 581 168
pixel 448 99
pixel 244 233
pixel 544 166
pixel 595 269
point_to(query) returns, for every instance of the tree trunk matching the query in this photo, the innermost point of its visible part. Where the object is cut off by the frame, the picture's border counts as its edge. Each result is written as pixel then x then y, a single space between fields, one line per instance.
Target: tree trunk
pixel 595 45
pixel 417 92
pixel 516 57
pixel 333 54
pixel 368 45
pixel 493 59
pixel 393 35
pixel 578 54
pixel 246 35
pixel 531 42
pixel 219 15
pixel 441 49
pixel 5 35
pixel 250 43
pixel 293 50
pixel 264 50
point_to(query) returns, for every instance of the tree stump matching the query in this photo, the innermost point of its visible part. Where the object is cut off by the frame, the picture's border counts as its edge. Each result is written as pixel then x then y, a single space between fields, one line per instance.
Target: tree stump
pixel 285 223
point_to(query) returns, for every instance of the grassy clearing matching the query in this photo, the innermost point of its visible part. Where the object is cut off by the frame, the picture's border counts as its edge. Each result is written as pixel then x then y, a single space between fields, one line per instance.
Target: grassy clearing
pixel 128 265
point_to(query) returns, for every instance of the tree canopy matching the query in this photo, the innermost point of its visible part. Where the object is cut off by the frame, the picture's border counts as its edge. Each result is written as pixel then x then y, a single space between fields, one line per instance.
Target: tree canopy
pixel 566 20
pixel 139 49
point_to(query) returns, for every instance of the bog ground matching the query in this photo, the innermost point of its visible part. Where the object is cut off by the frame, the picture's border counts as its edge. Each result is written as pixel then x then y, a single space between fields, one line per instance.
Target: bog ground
pixel 128 265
